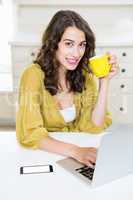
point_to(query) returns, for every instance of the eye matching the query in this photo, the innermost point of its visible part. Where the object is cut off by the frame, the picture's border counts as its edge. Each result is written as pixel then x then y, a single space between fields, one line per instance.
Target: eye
pixel 83 45
pixel 69 44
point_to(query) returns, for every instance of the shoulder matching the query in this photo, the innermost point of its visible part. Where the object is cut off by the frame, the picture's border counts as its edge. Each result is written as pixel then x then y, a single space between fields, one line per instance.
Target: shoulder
pixel 33 70
pixel 32 76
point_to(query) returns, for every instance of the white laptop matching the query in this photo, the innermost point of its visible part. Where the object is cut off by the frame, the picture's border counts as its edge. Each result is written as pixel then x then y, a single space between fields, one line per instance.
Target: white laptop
pixel 114 160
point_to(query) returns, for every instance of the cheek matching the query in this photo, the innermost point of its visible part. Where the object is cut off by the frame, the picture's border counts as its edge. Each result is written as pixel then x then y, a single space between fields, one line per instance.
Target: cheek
pixel 62 51
pixel 82 52
pixel 60 55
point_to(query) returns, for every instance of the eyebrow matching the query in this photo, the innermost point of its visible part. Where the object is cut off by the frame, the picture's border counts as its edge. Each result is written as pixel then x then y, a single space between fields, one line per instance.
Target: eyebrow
pixel 84 41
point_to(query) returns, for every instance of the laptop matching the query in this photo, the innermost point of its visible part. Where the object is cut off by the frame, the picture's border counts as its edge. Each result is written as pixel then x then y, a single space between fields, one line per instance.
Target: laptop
pixel 114 160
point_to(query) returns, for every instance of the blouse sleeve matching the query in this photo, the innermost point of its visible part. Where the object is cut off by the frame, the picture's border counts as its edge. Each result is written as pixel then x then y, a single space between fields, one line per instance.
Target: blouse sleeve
pixel 29 122
pixel 88 101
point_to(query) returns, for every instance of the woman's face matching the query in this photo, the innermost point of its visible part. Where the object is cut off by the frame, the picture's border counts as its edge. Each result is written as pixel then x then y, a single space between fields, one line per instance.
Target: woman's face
pixel 71 48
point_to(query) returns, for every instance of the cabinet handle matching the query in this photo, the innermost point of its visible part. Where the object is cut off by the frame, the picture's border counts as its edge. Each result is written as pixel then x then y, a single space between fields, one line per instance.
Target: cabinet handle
pixel 122 85
pixel 124 54
pixel 121 108
pixel 123 70
pixel 32 54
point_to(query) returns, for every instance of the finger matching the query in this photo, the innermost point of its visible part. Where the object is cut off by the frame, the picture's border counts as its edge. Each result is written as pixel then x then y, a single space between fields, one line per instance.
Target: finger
pixel 113 62
pixel 111 55
pixel 91 158
pixel 114 69
pixel 89 164
pixel 92 153
pixel 93 149
pixel 114 66
pixel 112 58
pixel 92 164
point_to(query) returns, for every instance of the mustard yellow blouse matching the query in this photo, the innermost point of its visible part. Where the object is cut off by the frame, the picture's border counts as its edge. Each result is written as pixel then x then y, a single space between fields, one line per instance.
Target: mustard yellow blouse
pixel 38 112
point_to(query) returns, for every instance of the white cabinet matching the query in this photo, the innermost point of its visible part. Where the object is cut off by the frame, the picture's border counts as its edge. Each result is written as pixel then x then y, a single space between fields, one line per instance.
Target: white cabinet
pixel 7 102
pixel 121 87
pixel 22 55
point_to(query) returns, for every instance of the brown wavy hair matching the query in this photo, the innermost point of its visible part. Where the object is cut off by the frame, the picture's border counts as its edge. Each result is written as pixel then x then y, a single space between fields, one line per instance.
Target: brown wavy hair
pixel 46 57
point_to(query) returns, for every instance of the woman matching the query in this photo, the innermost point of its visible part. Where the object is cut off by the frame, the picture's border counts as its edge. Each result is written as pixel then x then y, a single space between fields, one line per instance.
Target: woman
pixel 58 91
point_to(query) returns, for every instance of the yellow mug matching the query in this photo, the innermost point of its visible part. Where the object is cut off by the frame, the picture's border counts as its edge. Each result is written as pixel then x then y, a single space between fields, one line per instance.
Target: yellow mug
pixel 99 65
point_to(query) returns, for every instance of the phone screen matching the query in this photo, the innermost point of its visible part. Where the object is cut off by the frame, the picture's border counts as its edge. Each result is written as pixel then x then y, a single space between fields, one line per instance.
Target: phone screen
pixel 36 169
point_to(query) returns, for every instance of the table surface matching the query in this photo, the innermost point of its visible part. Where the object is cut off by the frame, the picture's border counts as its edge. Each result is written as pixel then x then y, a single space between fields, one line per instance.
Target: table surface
pixel 57 185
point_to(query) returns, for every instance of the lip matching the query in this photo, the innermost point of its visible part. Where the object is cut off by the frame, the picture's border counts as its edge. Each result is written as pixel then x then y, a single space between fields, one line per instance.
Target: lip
pixel 72 61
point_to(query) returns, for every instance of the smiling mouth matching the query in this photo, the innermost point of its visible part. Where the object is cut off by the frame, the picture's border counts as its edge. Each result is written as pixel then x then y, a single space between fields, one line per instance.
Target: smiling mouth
pixel 72 61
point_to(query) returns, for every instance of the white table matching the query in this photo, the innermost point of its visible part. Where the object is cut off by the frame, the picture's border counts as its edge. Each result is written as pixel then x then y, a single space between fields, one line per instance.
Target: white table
pixel 59 185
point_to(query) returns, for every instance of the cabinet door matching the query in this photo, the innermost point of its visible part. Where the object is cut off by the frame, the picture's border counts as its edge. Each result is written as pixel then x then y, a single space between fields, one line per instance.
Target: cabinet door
pixel 124 54
pixel 121 86
pixel 7 110
pixel 22 56
pixel 126 70
pixel 16 81
pixel 121 108
pixel 24 53
pixel 19 67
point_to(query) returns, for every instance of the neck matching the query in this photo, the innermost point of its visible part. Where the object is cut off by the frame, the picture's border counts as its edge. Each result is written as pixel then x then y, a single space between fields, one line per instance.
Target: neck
pixel 62 73
pixel 62 79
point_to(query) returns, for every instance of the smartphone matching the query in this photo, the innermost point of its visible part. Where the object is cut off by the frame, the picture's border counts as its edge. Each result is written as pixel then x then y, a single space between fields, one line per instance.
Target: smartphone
pixel 36 169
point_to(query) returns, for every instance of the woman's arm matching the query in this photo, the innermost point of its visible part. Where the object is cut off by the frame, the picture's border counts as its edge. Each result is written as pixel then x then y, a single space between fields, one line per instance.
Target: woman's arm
pixel 85 155
pixel 99 111
pixel 55 146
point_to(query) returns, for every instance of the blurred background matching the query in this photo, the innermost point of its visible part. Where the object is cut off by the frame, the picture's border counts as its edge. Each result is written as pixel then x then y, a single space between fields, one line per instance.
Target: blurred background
pixel 22 24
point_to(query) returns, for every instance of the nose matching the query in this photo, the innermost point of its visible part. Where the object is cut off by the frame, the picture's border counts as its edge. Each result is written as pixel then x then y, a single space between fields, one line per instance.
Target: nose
pixel 76 52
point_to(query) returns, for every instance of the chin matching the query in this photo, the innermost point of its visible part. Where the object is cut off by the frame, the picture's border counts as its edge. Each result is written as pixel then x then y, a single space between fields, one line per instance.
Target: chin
pixel 71 68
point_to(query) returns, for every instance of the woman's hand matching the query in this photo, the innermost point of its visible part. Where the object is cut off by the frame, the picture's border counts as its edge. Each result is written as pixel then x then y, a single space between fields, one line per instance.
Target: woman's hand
pixel 114 67
pixel 85 155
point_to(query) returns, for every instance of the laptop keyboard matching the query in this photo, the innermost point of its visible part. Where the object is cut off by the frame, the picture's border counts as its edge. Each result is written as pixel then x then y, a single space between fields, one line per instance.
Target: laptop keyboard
pixel 86 171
